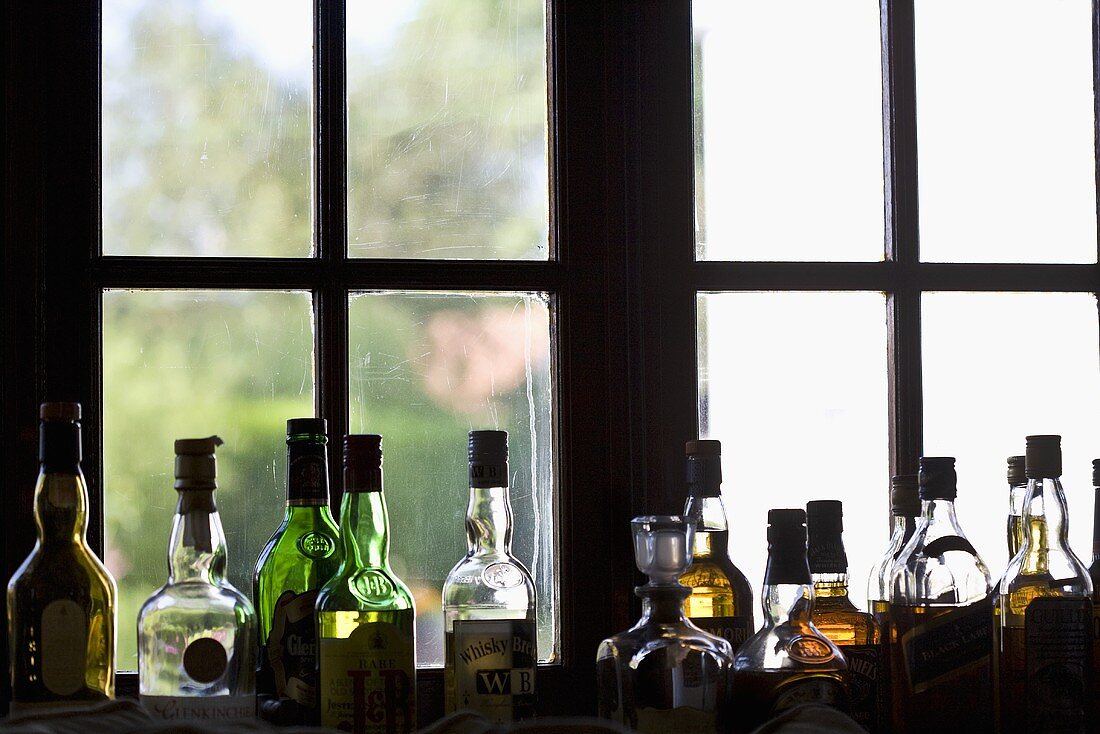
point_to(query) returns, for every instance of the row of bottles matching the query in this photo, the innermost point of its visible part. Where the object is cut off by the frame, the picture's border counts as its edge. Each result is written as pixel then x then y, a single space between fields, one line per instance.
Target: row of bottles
pixel 1018 656
pixel 331 638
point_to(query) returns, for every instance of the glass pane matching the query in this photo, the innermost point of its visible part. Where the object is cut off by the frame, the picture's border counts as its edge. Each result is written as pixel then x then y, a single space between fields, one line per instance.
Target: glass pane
pixel 788 130
pixel 180 364
pixel 990 381
pixel 447 129
pixel 794 385
pixel 426 368
pixel 1005 130
pixel 206 129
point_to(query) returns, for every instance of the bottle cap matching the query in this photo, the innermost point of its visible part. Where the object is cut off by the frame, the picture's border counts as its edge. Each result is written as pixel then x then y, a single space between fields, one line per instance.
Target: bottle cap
pixel 59 411
pixel 824 525
pixel 363 463
pixel 904 495
pixel 704 467
pixel 787 563
pixel 662 546
pixel 787 526
pixel 298 426
pixel 1044 457
pixel 488 447
pixel 196 467
pixel 703 447
pixel 937 478
pixel 1016 473
pixel 1096 472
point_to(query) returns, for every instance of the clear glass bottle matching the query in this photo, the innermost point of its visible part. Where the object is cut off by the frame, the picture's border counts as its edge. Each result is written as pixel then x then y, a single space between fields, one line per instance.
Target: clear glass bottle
pixel 61 601
pixel 301 555
pixel 788 661
pixel 1044 611
pixel 664 674
pixel 854 631
pixel 1017 490
pixel 490 654
pixel 940 617
pixel 197 634
pixel 721 598
pixel 365 614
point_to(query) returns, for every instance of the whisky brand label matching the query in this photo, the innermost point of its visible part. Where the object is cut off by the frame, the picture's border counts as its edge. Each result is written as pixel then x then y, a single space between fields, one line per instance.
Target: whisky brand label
pixel 200 708
pixel 1058 652
pixel 488 475
pixel 948 646
pixel 306 480
pixel 205 660
pixel 292 647
pixel 810 650
pixel 682 719
pixel 494 668
pixel 368 680
pixel 864 683
pixel 64 647
pixel 734 630
pixel 822 689
pixel 316 545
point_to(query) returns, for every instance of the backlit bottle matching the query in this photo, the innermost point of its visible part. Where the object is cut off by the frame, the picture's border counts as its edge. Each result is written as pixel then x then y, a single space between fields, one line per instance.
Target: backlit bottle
pixel 1017 490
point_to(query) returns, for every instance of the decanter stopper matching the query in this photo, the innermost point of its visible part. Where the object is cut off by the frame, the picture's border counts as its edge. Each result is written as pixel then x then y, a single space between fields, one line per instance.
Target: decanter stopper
pixel 662 547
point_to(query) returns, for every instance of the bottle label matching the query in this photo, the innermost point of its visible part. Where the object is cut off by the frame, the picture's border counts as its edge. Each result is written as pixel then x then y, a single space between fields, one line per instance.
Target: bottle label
pixel 820 689
pixel 200 708
pixel 494 668
pixel 948 646
pixel 810 650
pixel 368 680
pixel 64 647
pixel 205 660
pixel 864 683
pixel 1057 652
pixel 307 482
pixel 292 647
pixel 682 719
pixel 734 630
pixel 489 475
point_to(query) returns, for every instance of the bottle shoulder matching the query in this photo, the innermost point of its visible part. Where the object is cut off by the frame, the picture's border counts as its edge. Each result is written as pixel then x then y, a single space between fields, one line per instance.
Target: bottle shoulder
pixel 52 572
pixel 650 638
pixel 199 596
pixel 364 590
pixel 490 580
pixel 790 646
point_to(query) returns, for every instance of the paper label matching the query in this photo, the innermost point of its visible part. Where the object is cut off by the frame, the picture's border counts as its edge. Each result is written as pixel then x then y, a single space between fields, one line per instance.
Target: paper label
pixel 64 647
pixel 1057 651
pixel 682 720
pixel 306 479
pixel 948 646
pixel 292 647
pixel 734 630
pixel 196 708
pixel 494 668
pixel 811 689
pixel 368 680
pixel 864 683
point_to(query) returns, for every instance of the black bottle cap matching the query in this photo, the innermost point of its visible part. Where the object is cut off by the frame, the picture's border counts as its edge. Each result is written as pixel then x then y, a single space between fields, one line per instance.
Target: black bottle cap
pixel 937 478
pixel 904 495
pixel 363 463
pixel 488 447
pixel 1044 457
pixel 298 426
pixel 787 548
pixel 59 444
pixel 704 467
pixel 825 525
pixel 1016 473
pixel 1096 472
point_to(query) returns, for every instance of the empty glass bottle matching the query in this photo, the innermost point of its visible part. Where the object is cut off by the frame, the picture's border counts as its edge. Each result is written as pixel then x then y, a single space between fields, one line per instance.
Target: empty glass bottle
pixel 664 674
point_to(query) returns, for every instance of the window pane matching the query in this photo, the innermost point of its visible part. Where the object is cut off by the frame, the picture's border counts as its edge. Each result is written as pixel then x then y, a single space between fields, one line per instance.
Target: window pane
pixel 181 364
pixel 447 141
pixel 206 129
pixel 794 385
pixel 1005 129
pixel 426 368
pixel 990 381
pixel 788 130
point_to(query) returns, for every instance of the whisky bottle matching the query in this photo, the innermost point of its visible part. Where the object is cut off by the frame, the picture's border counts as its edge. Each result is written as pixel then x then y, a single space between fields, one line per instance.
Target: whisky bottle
pixel 1094 575
pixel 721 598
pixel 1017 490
pixel 1043 628
pixel 490 651
pixel 61 601
pixel 365 613
pixel 788 661
pixel 905 508
pixel 855 632
pixel 301 556
pixel 664 674
pixel 940 617
pixel 197 633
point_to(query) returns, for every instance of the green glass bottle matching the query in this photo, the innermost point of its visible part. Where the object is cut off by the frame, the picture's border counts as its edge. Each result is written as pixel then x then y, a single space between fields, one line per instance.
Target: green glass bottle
pixel 301 556
pixel 365 614
pixel 61 601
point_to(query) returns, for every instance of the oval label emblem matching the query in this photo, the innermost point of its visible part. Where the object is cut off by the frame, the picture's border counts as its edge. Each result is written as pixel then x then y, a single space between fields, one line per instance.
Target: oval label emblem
pixel 809 650
pixel 316 545
pixel 373 586
pixel 502 576
pixel 205 660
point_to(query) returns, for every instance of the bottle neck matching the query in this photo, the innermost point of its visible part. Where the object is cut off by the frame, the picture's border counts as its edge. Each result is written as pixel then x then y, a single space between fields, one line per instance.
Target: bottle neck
pixel 904 527
pixel 788 586
pixel 1046 521
pixel 489 521
pixel 662 603
pixel 1017 493
pixel 938 516
pixel 61 507
pixel 365 529
pixel 711 528
pixel 307 471
pixel 196 551
pixel 830 585
pixel 1096 526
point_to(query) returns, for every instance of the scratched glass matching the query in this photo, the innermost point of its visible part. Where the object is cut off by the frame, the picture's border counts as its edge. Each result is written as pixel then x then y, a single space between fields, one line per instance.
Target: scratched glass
pixel 447 129
pixel 186 364
pixel 206 128
pixel 426 368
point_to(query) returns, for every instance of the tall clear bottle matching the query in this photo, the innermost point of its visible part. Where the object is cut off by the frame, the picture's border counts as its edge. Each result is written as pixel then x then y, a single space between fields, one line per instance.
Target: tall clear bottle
pixel 789 661
pixel 490 653
pixel 664 674
pixel 721 598
pixel 197 633
pixel 853 631
pixel 1017 491
pixel 941 617
pixel 365 614
pixel 301 555
pixel 1043 628
pixel 61 601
